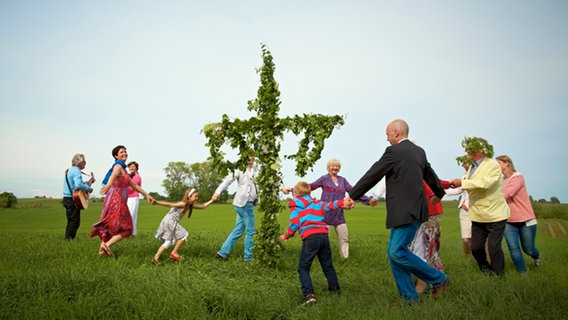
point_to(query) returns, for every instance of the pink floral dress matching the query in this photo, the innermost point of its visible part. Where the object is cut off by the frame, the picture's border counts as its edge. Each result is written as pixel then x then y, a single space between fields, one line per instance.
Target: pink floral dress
pixel 115 217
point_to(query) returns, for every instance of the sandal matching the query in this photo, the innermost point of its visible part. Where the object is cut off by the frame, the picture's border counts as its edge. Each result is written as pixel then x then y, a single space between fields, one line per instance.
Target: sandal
pixel 106 249
pixel 173 256
pixel 154 261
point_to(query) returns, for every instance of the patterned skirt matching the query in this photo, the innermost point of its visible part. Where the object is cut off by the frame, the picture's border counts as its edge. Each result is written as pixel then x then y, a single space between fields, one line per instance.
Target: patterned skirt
pixel 426 243
pixel 170 229
pixel 115 217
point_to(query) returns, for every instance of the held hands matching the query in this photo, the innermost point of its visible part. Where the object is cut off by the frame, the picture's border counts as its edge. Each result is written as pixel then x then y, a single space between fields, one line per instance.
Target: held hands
pixel 373 202
pixel 150 199
pixel 348 203
pixel 455 183
pixel 215 197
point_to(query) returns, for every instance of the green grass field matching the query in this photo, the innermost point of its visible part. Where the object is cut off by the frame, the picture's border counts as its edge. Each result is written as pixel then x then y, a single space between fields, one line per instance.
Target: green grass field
pixel 46 277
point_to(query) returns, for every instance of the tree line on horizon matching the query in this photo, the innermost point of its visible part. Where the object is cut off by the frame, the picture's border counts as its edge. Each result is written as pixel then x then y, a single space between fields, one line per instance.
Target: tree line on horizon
pixel 181 176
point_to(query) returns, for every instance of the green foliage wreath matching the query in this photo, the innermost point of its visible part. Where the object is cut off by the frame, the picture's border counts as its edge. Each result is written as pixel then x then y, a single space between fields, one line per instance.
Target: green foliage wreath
pixel 476 144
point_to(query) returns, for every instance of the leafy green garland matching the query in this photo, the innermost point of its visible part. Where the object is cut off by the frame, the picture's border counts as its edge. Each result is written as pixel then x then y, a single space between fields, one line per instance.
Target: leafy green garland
pixel 476 144
pixel 261 136
pixel 464 159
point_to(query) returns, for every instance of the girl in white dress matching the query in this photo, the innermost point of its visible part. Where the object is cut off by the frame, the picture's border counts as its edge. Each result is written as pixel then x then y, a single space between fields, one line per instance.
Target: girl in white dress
pixel 170 230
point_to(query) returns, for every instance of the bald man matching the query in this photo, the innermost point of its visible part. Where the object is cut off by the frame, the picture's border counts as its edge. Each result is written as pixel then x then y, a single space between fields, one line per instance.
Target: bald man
pixel 405 166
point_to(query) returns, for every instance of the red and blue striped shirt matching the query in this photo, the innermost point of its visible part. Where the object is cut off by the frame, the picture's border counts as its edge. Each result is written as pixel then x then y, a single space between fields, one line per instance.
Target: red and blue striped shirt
pixel 307 215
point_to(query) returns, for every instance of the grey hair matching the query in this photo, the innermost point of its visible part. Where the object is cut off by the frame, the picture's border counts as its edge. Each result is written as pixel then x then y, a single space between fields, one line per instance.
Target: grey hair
pixel 332 162
pixel 78 158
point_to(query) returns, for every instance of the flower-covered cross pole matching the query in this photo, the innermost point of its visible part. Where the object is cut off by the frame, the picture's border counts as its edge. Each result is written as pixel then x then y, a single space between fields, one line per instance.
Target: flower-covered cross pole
pixel 261 135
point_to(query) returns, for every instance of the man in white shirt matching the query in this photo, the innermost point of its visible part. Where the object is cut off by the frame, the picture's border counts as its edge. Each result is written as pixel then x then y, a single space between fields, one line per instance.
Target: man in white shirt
pixel 244 202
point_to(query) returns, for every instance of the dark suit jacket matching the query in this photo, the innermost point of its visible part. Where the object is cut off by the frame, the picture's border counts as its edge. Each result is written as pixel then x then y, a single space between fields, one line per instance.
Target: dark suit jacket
pixel 405 167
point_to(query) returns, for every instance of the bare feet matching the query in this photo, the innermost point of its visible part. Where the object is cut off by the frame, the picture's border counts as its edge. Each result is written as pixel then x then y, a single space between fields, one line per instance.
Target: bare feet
pixel 420 286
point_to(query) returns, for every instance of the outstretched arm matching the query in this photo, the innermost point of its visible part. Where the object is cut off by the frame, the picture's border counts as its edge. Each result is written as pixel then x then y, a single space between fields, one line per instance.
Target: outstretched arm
pixel 203 206
pixel 138 188
pixel 180 204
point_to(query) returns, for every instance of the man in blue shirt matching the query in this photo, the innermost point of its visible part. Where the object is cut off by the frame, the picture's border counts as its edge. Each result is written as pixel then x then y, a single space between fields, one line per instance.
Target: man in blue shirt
pixel 73 181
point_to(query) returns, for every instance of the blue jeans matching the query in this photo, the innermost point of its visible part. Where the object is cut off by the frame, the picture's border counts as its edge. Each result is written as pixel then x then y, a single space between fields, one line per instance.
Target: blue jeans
pixel 404 263
pixel 245 223
pixel 312 246
pixel 519 231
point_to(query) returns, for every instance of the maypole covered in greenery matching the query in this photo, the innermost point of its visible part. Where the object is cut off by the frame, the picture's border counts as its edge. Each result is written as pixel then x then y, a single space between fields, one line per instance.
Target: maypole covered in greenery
pixel 261 135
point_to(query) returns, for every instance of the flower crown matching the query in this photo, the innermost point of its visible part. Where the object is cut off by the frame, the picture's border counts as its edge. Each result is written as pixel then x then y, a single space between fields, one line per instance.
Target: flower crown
pixel 475 144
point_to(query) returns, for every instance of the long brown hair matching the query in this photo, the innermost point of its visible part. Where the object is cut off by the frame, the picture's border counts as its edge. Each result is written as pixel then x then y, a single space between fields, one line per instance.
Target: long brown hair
pixel 188 206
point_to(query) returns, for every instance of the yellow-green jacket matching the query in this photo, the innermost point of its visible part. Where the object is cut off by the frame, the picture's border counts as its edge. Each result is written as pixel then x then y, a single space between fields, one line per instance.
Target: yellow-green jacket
pixel 486 200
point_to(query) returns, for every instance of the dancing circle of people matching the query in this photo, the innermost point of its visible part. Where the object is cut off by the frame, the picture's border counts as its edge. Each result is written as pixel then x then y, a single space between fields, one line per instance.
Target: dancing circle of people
pixel 494 204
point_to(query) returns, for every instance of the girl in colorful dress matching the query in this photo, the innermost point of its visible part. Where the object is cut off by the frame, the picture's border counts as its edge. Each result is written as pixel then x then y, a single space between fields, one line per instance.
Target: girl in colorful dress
pixel 116 221
pixel 170 230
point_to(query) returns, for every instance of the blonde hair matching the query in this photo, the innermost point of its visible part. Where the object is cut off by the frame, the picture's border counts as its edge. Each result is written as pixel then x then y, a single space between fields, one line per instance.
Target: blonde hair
pixel 78 158
pixel 507 159
pixel 332 162
pixel 302 188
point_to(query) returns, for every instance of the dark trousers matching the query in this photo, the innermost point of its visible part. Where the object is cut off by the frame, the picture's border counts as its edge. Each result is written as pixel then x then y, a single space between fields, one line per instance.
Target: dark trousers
pixel 312 246
pixel 492 232
pixel 73 217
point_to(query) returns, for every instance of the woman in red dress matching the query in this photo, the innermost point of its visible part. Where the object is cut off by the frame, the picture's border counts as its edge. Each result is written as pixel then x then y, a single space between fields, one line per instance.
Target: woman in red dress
pixel 116 221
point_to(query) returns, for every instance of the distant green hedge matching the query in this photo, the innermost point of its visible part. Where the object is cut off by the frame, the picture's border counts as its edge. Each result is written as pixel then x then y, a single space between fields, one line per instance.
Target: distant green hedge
pixel 550 210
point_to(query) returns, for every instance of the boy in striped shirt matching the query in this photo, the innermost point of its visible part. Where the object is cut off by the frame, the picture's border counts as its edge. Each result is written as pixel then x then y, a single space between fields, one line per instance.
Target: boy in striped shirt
pixel 307 217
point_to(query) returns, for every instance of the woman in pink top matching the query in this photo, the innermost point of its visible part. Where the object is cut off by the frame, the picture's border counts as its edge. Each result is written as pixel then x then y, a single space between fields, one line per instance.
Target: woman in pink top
pixel 522 222
pixel 133 195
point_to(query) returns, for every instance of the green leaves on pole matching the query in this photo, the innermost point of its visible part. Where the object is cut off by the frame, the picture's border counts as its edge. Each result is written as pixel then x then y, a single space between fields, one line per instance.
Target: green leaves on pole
pixel 262 135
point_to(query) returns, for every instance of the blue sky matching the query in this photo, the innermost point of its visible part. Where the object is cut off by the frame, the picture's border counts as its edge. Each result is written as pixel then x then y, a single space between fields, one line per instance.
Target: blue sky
pixel 85 76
